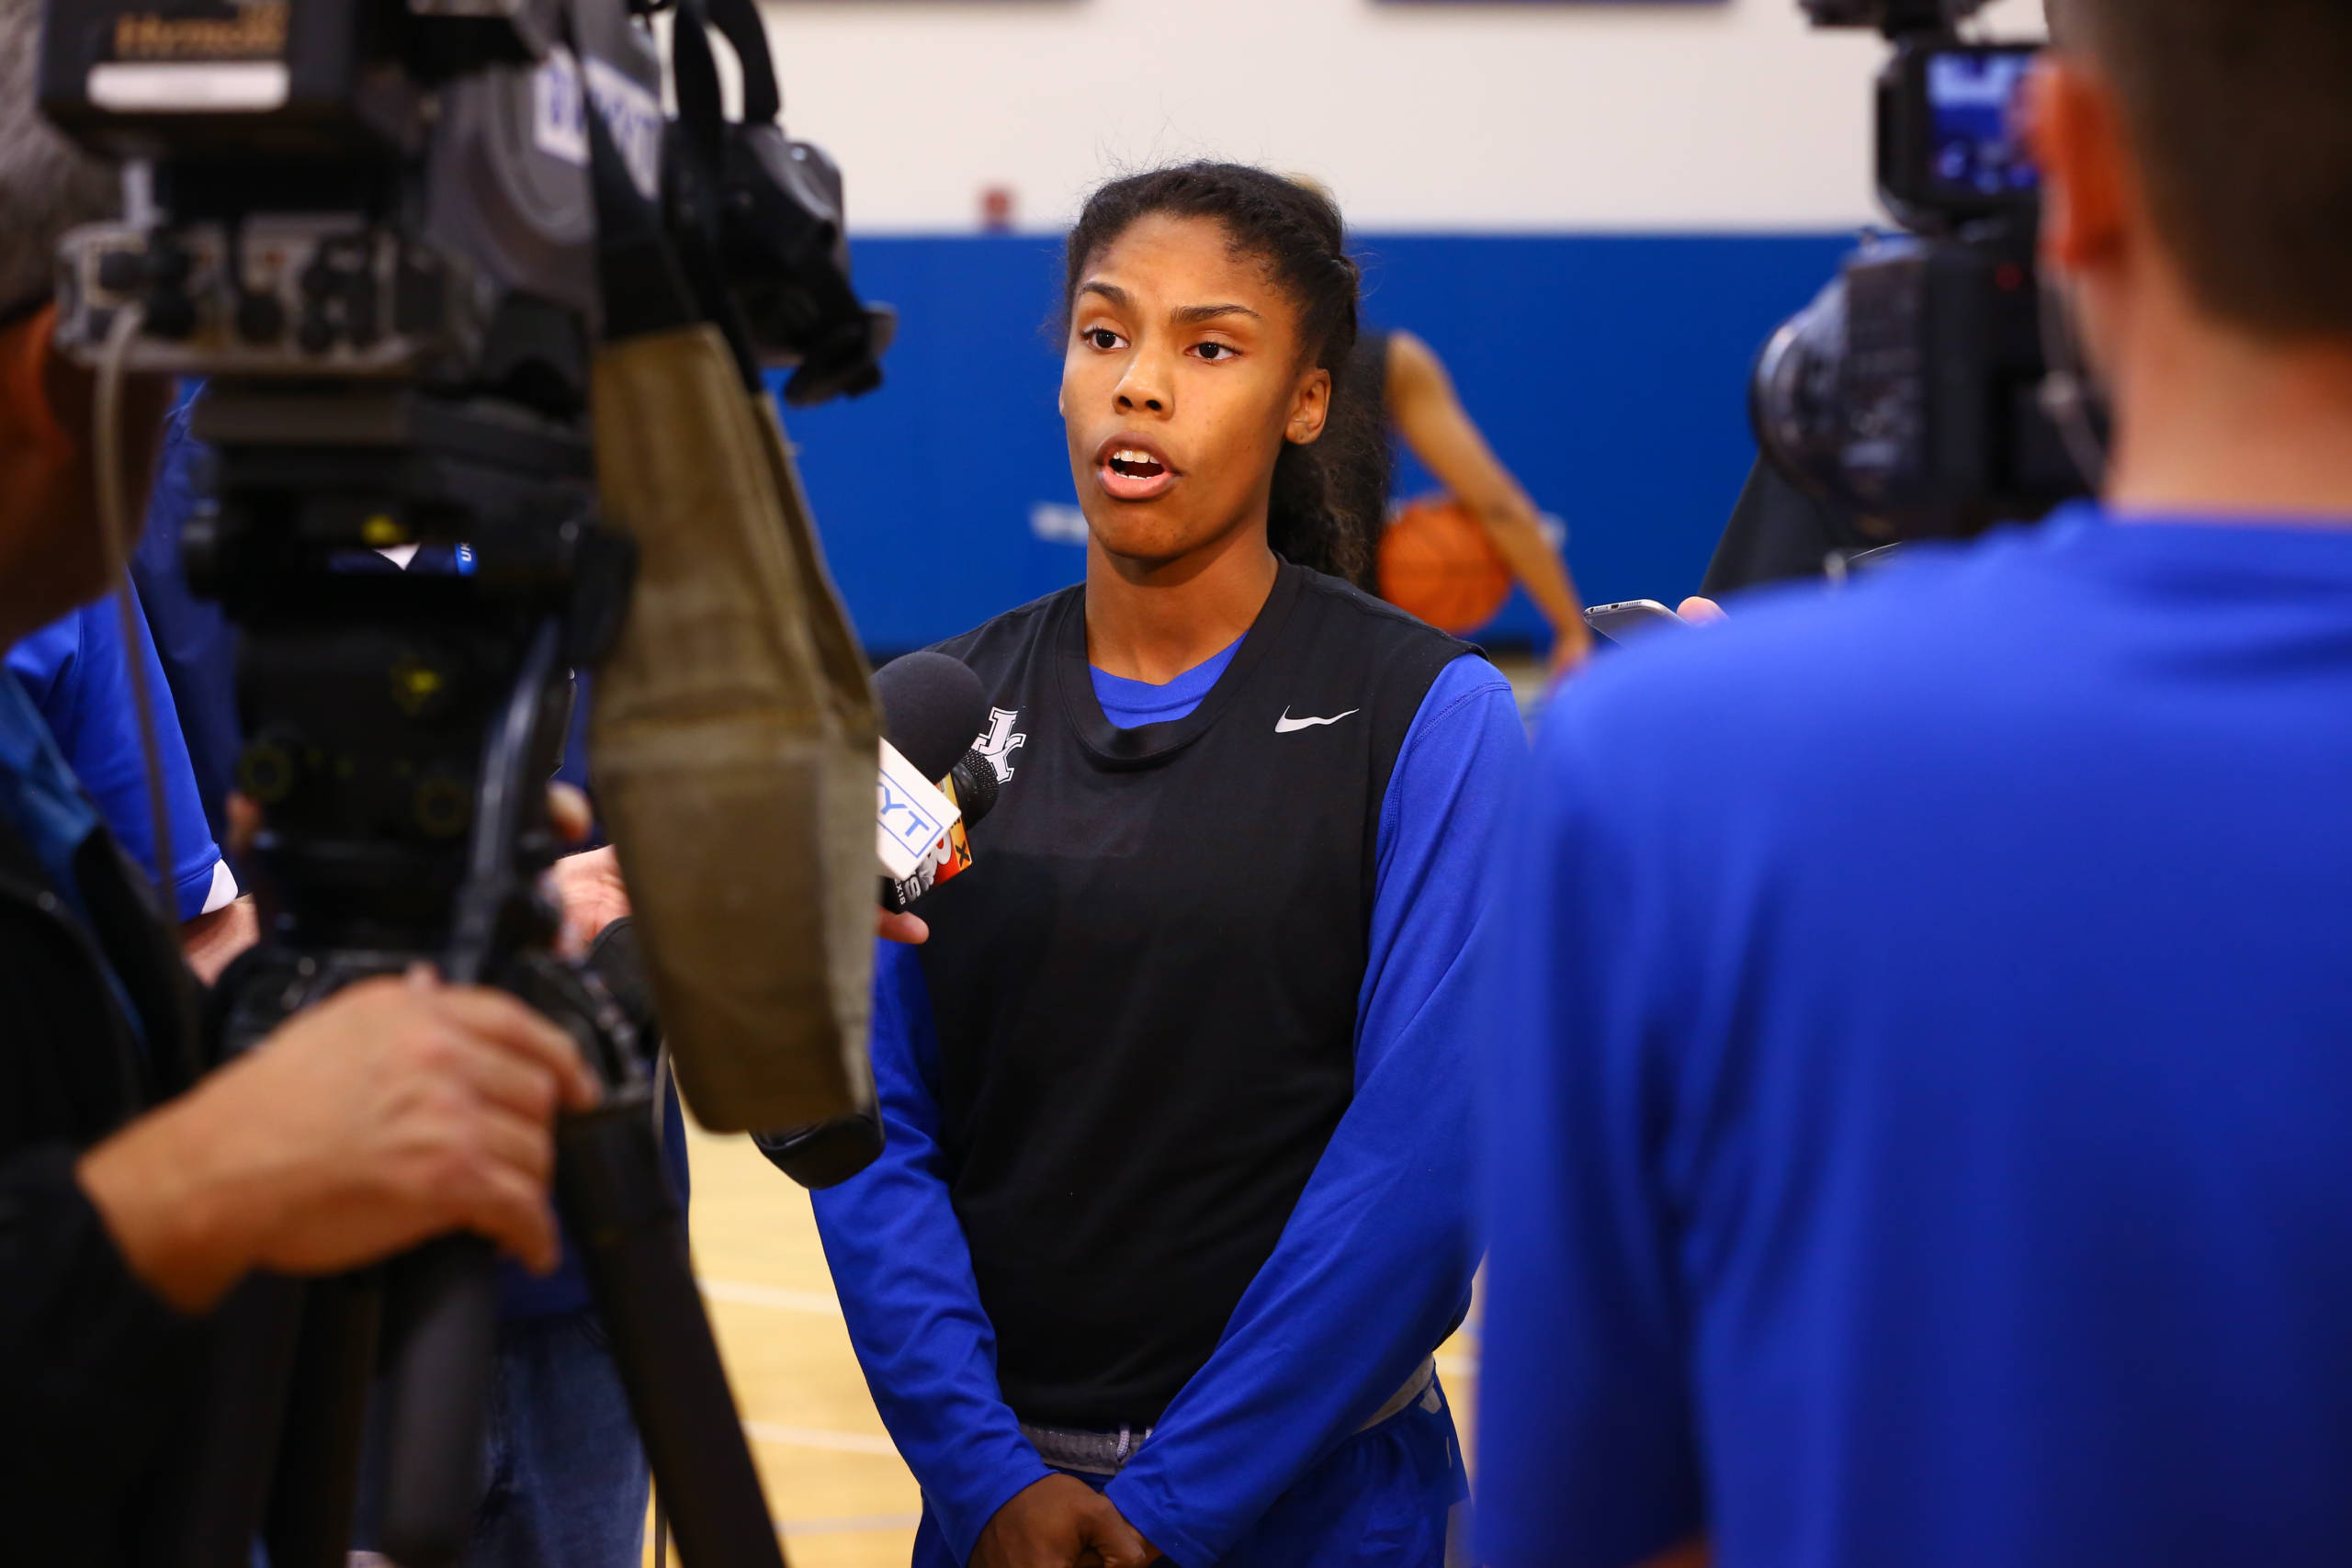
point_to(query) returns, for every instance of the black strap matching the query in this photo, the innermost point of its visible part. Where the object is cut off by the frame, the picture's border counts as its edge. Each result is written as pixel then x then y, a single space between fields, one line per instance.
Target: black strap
pixel 701 113
pixel 697 72
pixel 739 21
pixel 698 148
pixel 637 270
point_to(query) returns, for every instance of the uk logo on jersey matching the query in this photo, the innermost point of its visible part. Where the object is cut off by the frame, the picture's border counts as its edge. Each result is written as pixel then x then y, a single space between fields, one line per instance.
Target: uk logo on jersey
pixel 999 742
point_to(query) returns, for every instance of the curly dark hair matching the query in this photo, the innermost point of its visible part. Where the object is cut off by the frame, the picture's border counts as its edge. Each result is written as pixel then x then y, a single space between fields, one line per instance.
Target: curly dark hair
pixel 1318 515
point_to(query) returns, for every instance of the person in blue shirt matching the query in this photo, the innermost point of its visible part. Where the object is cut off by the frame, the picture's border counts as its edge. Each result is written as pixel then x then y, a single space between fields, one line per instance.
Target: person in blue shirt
pixel 194 641
pixel 1172 1211
pixel 1918 1098
pixel 77 670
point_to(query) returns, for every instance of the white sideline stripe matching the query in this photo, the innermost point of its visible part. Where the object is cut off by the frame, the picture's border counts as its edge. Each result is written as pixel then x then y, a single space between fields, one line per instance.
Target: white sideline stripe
pixel 850 1524
pixel 821 1437
pixel 783 1298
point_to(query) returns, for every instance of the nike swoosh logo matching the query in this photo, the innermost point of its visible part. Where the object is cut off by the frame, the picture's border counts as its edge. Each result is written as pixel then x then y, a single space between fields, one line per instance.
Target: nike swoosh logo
pixel 1287 724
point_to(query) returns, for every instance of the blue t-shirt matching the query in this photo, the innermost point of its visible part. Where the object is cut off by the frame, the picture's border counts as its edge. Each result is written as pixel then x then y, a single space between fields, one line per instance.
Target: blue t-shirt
pixel 77 673
pixel 1920 1103
pixel 1131 705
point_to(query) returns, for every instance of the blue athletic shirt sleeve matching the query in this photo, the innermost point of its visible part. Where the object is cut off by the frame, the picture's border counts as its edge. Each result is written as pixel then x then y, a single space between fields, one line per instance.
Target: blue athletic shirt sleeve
pixel 1375 1263
pixel 904 1275
pixel 77 671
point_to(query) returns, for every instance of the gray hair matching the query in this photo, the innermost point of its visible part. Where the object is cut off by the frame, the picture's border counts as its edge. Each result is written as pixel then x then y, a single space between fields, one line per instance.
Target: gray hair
pixel 46 184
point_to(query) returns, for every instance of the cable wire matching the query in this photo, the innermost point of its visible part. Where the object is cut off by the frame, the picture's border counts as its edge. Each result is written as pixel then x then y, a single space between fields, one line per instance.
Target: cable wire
pixel 114 531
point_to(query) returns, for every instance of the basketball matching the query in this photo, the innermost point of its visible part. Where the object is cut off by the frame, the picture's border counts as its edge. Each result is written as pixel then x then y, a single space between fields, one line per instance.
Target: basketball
pixel 1436 562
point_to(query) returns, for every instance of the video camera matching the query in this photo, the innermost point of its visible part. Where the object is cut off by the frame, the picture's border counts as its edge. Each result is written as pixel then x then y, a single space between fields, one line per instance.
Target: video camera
pixel 1916 390
pixel 401 240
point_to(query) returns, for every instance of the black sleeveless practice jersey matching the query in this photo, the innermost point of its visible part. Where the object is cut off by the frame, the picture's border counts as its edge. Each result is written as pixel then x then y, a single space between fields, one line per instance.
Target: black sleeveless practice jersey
pixel 1146 988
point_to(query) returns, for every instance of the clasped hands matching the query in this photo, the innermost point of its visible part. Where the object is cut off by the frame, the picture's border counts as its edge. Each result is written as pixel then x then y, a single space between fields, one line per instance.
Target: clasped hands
pixel 1061 1522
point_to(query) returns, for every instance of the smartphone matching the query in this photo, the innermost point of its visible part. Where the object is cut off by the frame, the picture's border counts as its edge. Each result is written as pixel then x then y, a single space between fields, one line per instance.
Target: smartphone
pixel 1624 623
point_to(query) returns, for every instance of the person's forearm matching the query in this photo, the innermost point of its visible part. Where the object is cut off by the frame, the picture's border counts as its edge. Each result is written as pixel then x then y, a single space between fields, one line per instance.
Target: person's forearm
pixel 1518 534
pixel 177 1209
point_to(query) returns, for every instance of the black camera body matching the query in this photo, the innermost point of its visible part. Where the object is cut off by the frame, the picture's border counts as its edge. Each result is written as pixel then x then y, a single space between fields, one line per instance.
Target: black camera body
pixel 1912 392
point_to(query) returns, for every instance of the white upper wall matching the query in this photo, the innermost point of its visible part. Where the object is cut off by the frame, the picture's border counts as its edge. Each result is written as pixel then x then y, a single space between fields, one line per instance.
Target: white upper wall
pixel 1695 116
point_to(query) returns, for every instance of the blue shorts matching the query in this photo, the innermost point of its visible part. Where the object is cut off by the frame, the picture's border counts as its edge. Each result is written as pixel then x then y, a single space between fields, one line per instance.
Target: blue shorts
pixel 1379 1500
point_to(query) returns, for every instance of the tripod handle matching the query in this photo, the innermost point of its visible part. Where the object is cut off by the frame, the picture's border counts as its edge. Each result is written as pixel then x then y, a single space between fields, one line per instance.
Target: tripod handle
pixel 444 1306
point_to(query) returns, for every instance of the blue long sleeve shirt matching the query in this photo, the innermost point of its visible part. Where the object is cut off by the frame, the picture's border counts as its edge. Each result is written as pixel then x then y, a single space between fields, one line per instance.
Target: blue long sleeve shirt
pixel 1918 1089
pixel 77 673
pixel 1372 1270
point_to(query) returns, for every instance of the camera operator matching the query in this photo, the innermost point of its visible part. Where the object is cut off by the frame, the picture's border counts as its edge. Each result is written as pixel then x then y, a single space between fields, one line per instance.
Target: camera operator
pixel 132 1197
pixel 1918 1134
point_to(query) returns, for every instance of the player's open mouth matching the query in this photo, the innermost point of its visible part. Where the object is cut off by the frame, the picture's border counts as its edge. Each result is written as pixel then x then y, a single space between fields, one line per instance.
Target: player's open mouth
pixel 1133 470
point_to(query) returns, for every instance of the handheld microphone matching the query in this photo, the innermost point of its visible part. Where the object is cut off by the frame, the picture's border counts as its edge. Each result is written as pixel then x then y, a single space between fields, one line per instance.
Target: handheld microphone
pixel 932 708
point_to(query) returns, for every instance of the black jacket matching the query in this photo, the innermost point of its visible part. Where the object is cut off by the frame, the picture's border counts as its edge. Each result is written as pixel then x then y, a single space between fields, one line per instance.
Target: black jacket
pixel 96 1373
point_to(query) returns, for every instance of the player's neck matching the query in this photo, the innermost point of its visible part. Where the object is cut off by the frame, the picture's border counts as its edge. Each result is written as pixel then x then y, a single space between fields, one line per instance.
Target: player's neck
pixel 2216 423
pixel 1154 621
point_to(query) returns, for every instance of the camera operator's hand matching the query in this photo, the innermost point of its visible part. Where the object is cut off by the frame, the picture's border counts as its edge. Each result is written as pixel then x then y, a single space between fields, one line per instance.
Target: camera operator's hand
pixel 1061 1522
pixel 1700 611
pixel 394 1111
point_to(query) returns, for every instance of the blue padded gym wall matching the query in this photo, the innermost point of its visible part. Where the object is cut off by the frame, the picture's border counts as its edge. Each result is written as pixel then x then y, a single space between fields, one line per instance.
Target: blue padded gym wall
pixel 1609 373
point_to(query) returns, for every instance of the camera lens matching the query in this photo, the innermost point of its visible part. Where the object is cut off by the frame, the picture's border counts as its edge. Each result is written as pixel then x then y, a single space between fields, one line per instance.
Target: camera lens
pixel 1794 399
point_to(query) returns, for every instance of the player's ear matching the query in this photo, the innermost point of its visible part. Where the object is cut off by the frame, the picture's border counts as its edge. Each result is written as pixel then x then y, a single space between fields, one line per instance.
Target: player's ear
pixel 1310 408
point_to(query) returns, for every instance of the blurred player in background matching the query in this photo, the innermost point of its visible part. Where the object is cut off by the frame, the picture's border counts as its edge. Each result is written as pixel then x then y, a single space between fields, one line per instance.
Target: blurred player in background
pixel 1405 378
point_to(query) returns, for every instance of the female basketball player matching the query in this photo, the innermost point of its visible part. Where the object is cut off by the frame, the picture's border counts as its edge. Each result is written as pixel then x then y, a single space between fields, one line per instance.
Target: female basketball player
pixel 1172 1212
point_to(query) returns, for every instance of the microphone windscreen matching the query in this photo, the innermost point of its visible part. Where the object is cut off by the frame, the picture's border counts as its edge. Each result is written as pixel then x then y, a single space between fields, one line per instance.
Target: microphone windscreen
pixel 975 779
pixel 932 708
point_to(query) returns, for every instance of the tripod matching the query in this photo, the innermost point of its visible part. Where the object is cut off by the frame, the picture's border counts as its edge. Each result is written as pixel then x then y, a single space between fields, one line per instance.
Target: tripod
pixel 401 727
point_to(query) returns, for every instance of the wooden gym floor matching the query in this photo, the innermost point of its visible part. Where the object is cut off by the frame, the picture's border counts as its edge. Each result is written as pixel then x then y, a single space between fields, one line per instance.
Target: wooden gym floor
pixel 841 1497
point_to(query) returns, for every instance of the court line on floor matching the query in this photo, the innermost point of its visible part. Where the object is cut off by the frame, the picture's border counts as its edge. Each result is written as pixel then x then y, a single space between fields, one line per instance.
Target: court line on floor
pixel 823 1303
pixel 821 1438
pixel 851 1524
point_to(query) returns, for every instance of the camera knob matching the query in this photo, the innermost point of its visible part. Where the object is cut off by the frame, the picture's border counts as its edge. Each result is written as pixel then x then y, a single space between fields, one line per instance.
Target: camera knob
pixel 316 335
pixel 444 803
pixel 359 313
pixel 169 266
pixel 170 314
pixel 122 272
pixel 261 318
pixel 268 771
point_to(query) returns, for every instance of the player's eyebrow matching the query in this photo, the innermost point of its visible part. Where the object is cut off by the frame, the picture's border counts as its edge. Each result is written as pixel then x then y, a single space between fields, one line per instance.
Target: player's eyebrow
pixel 1195 315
